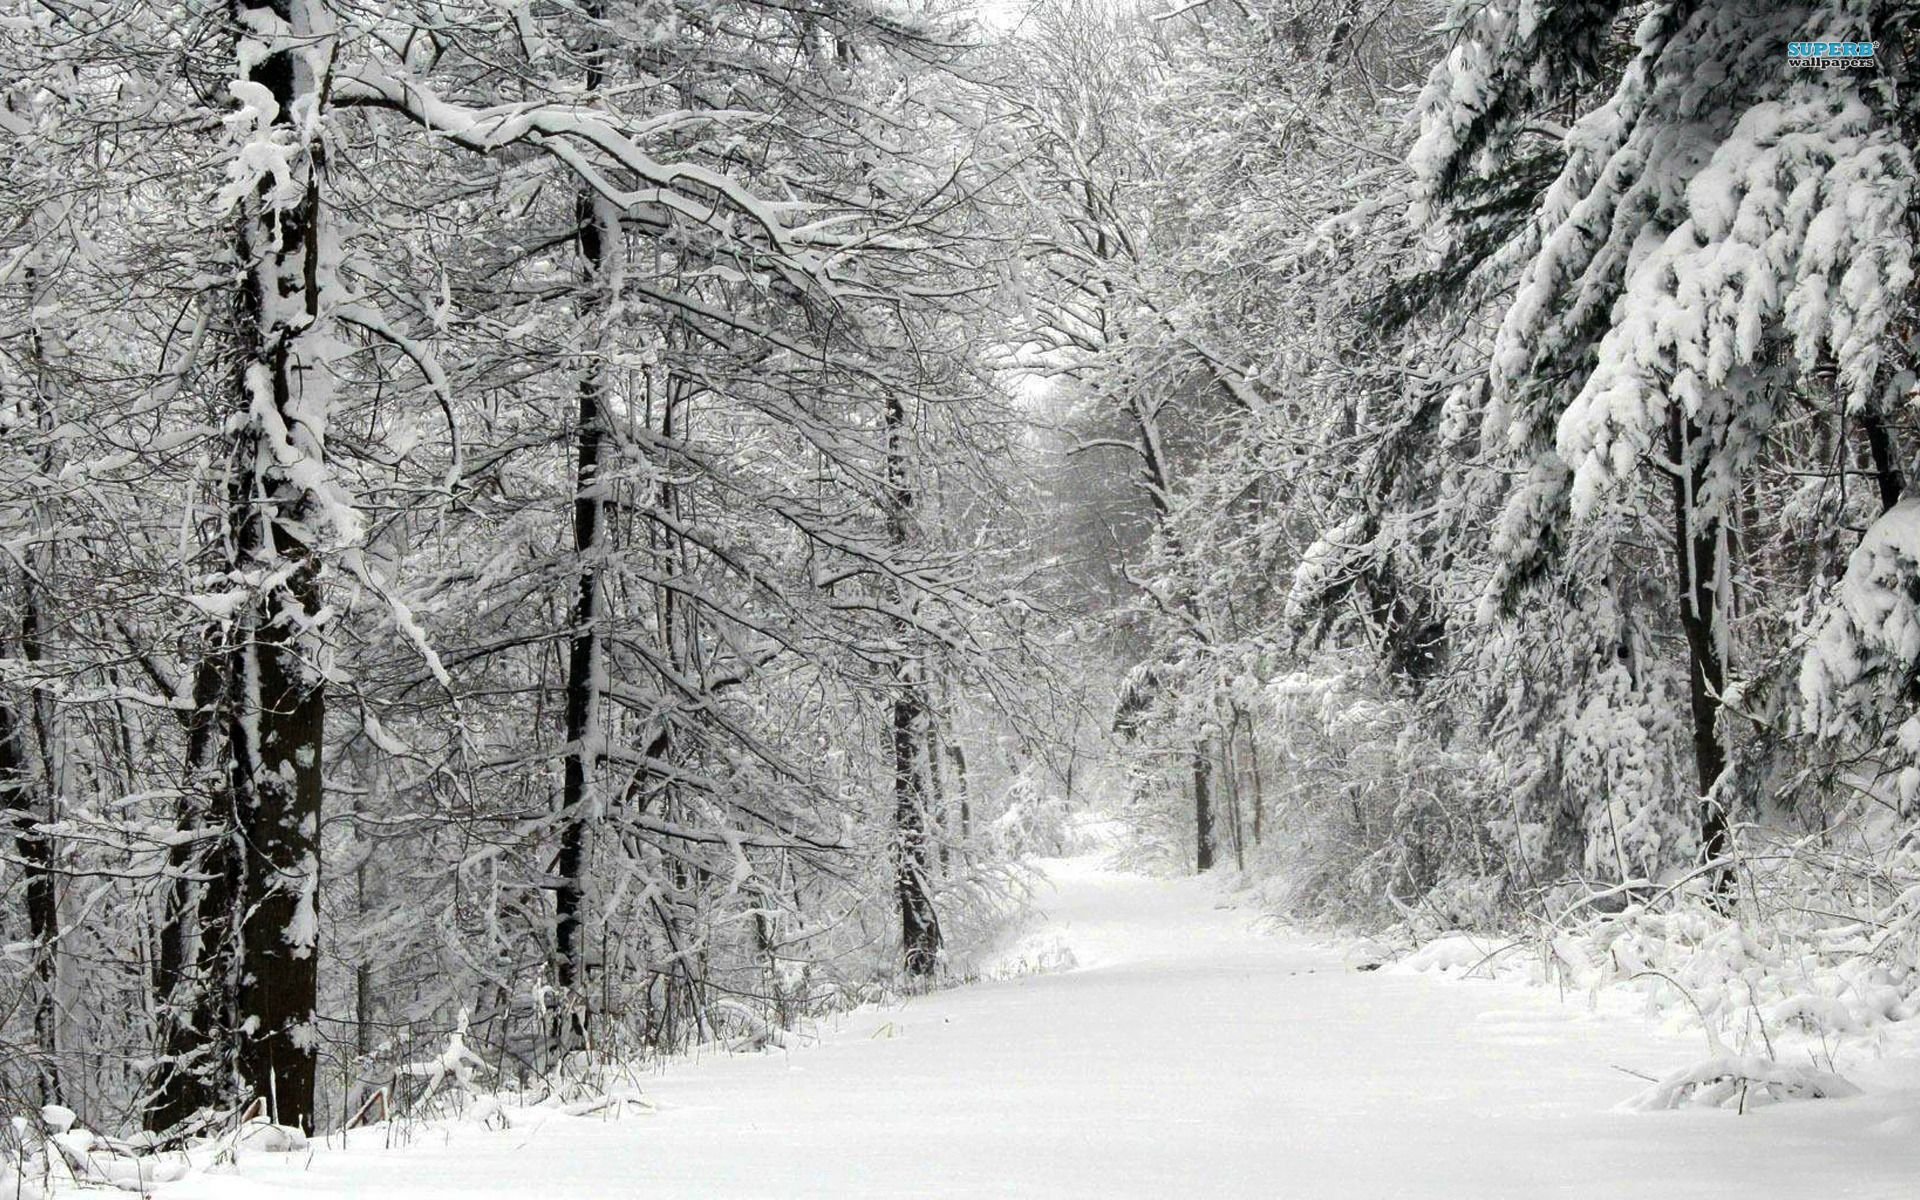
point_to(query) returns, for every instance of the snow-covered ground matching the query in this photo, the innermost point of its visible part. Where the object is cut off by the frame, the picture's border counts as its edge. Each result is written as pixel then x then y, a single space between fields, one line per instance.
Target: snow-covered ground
pixel 1188 1054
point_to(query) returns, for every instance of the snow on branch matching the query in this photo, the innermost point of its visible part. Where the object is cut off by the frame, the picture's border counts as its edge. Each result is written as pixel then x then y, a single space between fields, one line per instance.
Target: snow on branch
pixel 1861 665
pixel 559 129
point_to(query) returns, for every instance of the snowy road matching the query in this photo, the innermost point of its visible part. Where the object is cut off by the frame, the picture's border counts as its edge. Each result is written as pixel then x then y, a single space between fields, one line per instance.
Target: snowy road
pixel 1187 1056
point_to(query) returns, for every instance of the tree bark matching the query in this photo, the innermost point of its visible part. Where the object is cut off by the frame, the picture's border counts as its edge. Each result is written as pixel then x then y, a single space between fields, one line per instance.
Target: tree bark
pixel 1699 544
pixel 1203 808
pixel 1236 812
pixel 278 738
pixel 1253 770
pixel 597 235
pixel 957 758
pixel 920 937
pixel 919 925
pixel 278 698
pixel 183 1083
pixel 585 652
pixel 22 769
pixel 1887 473
pixel 36 858
pixel 961 803
pixel 936 788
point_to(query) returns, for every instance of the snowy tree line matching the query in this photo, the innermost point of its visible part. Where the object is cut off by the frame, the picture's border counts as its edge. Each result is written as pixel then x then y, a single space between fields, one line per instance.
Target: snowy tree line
pixel 622 518
pixel 1519 396
pixel 505 509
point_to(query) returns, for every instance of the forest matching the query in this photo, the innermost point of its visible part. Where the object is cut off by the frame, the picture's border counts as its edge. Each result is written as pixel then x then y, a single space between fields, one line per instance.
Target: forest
pixel 573 531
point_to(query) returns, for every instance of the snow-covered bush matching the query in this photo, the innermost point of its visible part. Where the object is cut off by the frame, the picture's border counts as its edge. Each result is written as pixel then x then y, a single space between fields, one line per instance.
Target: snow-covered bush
pixel 1741 1082
pixel 1371 819
pixel 1860 675
pixel 1034 820
pixel 1818 955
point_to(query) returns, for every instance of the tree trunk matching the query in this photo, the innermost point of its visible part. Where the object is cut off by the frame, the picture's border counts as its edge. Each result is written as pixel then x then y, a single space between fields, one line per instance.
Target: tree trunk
pixel 277 693
pixel 597 233
pixel 919 925
pixel 183 1083
pixel 961 804
pixel 1699 548
pixel 957 758
pixel 36 861
pixel 20 769
pixel 278 741
pixel 1253 770
pixel 936 789
pixel 1203 807
pixel 1236 812
pixel 1887 473
pixel 373 770
pixel 1160 491
pixel 585 653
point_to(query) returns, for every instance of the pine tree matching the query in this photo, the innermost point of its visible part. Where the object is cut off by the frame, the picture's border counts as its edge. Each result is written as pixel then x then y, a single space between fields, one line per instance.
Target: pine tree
pixel 1701 256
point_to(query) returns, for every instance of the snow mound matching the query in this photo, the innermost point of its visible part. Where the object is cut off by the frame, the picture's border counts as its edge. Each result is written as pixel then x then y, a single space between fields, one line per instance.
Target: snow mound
pixel 1739 1081
pixel 1454 952
pixel 266 1137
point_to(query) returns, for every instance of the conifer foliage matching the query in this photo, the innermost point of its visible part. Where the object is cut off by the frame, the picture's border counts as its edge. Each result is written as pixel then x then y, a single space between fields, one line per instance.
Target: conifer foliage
pixel 1535 381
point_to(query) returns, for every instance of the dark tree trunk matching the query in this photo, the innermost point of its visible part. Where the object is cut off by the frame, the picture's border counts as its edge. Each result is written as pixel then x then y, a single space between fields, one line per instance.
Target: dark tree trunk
pixel 1203 807
pixel 960 804
pixel 594 233
pixel 1236 812
pixel 29 806
pixel 277 698
pixel 217 960
pixel 277 790
pixel 1253 770
pixel 35 850
pixel 1698 547
pixel 919 924
pixel 1887 473
pixel 936 788
pixel 584 650
pixel 958 759
pixel 184 1083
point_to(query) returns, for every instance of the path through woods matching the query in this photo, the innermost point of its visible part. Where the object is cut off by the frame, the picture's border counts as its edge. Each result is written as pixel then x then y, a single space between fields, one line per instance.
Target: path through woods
pixel 1189 1054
